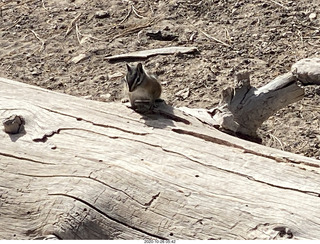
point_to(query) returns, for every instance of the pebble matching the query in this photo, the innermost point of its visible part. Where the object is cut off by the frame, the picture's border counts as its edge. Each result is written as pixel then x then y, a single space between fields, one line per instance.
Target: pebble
pixel 102 14
pixel 106 97
pixel 312 16
pixel 79 58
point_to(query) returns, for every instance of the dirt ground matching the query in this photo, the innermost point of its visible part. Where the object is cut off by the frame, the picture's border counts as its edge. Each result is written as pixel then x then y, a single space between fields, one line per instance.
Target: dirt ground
pixel 39 40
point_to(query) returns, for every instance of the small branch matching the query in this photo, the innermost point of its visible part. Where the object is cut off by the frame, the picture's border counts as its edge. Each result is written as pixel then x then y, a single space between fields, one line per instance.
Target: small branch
pixel 78 34
pixel 131 10
pixel 136 12
pixel 215 39
pixel 41 40
pixel 278 140
pixel 152 52
pixel 245 108
pixel 43 5
pixel 72 24
pixel 279 4
pixel 228 35
pixel 314 45
pixel 127 16
pixel 301 37
pixel 206 34
pixel 133 30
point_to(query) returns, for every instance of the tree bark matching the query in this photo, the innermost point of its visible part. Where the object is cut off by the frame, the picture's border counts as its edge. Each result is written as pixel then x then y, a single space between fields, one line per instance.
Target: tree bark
pixel 81 169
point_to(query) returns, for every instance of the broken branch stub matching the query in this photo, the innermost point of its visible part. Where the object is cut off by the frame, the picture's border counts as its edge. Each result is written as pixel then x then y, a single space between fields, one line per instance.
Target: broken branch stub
pixel 13 124
pixel 244 110
pixel 307 71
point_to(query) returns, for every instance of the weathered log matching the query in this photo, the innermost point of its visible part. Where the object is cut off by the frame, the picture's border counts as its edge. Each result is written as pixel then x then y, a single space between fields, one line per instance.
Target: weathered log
pixel 244 108
pixel 83 169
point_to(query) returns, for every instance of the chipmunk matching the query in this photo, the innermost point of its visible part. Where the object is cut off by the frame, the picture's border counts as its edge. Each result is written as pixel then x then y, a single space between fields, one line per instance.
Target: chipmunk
pixel 143 89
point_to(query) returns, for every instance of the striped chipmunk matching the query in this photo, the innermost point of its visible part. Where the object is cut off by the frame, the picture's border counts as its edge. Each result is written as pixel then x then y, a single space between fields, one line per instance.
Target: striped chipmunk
pixel 142 88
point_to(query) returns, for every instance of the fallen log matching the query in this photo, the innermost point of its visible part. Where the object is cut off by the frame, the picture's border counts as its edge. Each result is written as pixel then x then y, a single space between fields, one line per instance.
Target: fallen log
pixel 81 169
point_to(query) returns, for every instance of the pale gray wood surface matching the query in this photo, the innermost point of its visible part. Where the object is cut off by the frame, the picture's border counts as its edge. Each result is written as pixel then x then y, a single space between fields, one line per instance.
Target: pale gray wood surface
pixel 243 108
pixel 90 170
pixel 153 52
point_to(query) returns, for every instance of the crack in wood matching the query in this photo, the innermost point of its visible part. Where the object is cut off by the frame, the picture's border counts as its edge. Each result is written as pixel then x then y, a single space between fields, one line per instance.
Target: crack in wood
pixel 96 124
pixel 88 178
pixel 47 135
pixel 222 142
pixel 108 216
pixel 148 204
pixel 226 143
pixel 22 158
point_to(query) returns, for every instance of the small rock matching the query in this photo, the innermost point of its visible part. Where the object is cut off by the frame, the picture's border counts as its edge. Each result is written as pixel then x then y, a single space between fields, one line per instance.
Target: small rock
pixel 162 35
pixel 184 93
pixel 36 72
pixel 89 97
pixel 99 79
pixel 105 97
pixel 115 76
pixel 79 58
pixel 312 16
pixel 102 14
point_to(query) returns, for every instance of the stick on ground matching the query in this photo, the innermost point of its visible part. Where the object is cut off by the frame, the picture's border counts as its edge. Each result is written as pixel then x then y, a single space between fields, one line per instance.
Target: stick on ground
pixel 41 40
pixel 72 24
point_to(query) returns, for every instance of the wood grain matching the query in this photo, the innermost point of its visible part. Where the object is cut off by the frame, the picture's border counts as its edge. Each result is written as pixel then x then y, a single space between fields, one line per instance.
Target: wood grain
pixel 89 170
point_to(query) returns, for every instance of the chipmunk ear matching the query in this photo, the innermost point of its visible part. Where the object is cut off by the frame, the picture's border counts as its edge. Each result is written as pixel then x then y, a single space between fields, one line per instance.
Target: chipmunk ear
pixel 139 68
pixel 129 68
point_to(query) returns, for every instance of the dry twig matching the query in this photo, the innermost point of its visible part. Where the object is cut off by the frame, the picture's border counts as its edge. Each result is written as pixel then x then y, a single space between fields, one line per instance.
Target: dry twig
pixel 43 5
pixel 78 34
pixel 278 140
pixel 314 45
pixel 133 29
pixel 215 39
pixel 135 11
pixel 206 34
pixel 228 35
pixel 279 4
pixel 41 40
pixel 126 17
pixel 301 37
pixel 131 10
pixel 72 24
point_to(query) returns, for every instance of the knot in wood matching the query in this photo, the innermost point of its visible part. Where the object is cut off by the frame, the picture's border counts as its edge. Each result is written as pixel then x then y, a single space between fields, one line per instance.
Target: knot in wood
pixel 13 124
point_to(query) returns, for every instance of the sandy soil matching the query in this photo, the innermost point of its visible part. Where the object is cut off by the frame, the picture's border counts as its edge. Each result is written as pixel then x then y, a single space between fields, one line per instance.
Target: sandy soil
pixel 40 39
